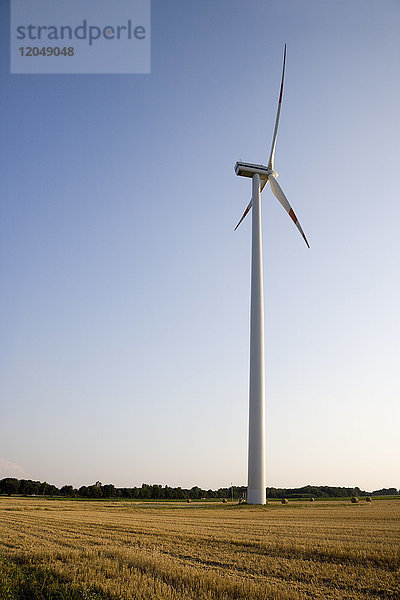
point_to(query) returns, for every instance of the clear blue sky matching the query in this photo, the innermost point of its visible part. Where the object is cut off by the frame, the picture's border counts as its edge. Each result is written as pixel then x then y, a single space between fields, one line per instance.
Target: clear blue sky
pixel 125 292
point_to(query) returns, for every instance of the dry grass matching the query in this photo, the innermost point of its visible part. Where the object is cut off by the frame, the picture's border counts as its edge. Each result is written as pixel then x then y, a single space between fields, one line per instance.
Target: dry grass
pixel 319 550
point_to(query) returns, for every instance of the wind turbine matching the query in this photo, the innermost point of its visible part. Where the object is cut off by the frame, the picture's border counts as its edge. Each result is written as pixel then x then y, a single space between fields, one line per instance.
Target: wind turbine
pixel 260 175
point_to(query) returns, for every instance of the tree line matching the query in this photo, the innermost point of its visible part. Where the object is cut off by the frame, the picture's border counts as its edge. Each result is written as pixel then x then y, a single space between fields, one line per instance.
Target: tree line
pixel 27 487
pixel 326 491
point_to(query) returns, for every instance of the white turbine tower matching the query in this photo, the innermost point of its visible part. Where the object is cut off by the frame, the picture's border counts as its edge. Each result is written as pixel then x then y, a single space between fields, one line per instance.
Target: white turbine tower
pixel 256 491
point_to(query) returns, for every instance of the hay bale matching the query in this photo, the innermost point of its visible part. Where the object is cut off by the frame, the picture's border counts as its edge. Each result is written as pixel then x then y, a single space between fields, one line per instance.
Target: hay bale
pixel 368 499
pixel 312 499
pixel 284 501
pixel 188 500
pixel 354 500
pixel 224 500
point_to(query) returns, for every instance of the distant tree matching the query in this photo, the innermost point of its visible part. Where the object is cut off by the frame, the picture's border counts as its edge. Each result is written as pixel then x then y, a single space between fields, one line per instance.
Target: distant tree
pixel 26 487
pixel 43 488
pixel 145 492
pixel 9 486
pixel 35 487
pixel 180 493
pixel 83 491
pixel 52 490
pixel 167 491
pixel 94 491
pixel 67 490
pixel 117 493
pixel 135 491
pixel 223 493
pixel 195 493
pixel 108 491
pixel 155 491
pixel 385 492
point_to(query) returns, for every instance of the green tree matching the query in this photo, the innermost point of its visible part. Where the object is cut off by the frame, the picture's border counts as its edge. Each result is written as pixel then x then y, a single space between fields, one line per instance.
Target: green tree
pixel 9 486
pixel 67 490
pixel 108 491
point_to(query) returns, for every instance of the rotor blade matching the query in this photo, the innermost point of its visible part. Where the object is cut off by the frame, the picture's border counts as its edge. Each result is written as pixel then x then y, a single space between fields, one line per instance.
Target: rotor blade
pixel 244 214
pixel 272 155
pixel 278 193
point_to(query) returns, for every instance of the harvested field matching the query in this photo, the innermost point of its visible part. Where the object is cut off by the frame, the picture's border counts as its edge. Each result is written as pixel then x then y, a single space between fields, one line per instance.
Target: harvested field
pixel 88 550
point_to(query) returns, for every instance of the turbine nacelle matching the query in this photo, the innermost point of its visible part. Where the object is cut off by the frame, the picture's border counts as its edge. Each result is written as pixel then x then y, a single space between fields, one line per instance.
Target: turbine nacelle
pixel 249 169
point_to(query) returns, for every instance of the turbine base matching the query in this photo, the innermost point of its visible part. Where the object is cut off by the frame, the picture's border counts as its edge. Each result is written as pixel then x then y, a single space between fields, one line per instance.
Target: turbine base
pixel 256 496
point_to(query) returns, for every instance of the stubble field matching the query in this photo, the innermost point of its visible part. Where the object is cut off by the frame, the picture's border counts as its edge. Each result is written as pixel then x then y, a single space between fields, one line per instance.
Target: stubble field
pixel 91 550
